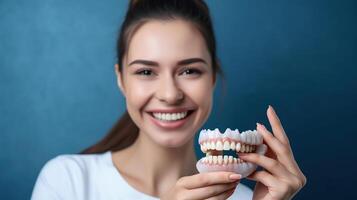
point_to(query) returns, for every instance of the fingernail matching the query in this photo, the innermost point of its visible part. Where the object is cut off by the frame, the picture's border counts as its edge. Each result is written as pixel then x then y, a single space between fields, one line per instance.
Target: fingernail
pixel 272 109
pixel 235 176
pixel 260 125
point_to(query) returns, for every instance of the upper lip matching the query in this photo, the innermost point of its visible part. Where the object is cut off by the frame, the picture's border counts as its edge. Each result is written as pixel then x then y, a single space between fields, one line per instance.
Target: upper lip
pixel 172 110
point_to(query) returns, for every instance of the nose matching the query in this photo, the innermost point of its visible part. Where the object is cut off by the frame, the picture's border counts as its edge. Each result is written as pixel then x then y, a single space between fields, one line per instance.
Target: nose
pixel 169 92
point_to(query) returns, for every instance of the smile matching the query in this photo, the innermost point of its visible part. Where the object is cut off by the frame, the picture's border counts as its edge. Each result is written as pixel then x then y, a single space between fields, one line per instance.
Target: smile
pixel 171 116
pixel 170 119
pixel 215 144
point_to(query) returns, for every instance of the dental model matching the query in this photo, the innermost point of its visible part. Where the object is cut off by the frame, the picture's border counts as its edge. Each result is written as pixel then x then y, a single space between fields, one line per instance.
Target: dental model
pixel 214 143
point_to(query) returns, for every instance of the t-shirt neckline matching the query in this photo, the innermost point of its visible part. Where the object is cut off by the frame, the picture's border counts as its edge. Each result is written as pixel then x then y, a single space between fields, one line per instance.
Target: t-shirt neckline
pixel 108 156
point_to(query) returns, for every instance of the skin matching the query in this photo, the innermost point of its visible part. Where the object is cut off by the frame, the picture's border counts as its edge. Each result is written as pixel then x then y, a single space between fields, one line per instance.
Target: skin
pixel 281 177
pixel 162 162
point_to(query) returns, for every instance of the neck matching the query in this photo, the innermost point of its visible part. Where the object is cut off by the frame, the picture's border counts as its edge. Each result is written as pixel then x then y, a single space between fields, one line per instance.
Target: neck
pixel 161 166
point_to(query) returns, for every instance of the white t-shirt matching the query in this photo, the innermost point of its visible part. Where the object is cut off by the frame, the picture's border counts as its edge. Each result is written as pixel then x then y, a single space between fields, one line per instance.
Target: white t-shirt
pixel 93 177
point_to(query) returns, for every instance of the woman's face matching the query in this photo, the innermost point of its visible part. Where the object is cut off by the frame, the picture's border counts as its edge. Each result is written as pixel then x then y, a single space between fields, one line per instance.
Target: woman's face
pixel 167 81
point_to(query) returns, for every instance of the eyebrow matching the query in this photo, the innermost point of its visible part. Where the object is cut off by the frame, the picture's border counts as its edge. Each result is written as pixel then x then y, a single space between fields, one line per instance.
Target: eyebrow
pixel 181 62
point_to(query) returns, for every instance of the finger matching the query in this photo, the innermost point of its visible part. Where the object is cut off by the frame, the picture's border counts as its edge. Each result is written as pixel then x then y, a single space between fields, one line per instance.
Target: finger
pixel 222 196
pixel 264 177
pixel 208 178
pixel 283 152
pixel 279 148
pixel 276 126
pixel 273 166
pixel 211 191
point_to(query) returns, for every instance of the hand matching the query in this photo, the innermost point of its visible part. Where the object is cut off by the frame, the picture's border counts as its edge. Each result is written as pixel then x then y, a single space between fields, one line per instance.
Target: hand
pixel 282 177
pixel 210 185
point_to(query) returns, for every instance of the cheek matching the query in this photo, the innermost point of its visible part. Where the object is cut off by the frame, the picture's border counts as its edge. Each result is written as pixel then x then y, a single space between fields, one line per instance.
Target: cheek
pixel 200 91
pixel 138 92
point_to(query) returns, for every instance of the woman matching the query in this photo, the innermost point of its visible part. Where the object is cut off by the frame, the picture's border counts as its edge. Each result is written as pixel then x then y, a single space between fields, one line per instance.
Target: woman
pixel 166 70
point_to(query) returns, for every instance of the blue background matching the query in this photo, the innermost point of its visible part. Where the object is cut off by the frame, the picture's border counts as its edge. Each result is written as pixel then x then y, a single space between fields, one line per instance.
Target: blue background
pixel 58 91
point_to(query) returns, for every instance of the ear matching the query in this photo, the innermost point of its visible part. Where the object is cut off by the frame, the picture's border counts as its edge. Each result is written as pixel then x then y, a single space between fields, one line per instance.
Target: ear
pixel 119 79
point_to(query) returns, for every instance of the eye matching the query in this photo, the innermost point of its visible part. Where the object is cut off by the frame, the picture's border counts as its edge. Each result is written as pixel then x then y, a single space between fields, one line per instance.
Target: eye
pixel 144 72
pixel 189 71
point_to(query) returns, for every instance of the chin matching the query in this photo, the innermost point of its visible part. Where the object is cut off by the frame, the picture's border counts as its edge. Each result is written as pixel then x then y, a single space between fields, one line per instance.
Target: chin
pixel 173 140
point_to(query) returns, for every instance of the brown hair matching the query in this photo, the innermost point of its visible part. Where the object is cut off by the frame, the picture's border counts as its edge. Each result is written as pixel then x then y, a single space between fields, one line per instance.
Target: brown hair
pixel 125 131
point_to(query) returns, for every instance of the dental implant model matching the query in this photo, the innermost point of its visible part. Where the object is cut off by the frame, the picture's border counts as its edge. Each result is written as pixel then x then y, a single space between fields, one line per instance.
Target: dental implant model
pixel 214 144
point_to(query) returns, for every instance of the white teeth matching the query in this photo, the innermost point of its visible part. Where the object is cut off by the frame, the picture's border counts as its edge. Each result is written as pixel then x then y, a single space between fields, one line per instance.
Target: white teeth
pixel 225 159
pixel 210 159
pixel 213 145
pixel 214 159
pixel 170 116
pixel 230 159
pixel 203 148
pixel 219 146
pixel 247 137
pixel 226 146
pixel 238 147
pixel 242 149
pixel 220 160
pixel 233 145
pixel 208 145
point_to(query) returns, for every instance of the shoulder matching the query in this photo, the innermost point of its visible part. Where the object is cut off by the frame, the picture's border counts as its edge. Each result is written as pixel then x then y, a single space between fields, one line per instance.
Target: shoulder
pixel 242 192
pixel 69 163
pixel 65 174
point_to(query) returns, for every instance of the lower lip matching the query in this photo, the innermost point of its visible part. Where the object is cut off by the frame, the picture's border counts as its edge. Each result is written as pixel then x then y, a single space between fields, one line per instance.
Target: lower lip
pixel 170 124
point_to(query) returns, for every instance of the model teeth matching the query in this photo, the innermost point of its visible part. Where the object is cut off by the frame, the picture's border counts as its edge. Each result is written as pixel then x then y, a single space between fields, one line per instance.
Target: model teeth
pixel 213 143
pixel 247 137
pixel 238 146
pixel 226 146
pixel 217 146
pixel 170 116
pixel 222 160
pixel 233 145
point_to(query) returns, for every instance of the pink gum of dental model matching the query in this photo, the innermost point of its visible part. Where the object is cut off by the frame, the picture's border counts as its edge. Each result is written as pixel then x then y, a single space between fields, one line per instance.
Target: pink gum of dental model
pixel 213 142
